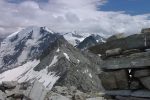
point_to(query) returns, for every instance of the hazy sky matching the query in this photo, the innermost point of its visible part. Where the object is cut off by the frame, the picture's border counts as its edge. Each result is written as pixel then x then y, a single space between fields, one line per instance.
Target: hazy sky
pixel 94 16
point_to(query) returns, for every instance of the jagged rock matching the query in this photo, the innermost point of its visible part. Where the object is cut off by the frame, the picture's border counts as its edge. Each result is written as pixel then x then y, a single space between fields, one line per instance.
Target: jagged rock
pixel 9 84
pixel 113 52
pixel 114 80
pixel 141 73
pixel 146 82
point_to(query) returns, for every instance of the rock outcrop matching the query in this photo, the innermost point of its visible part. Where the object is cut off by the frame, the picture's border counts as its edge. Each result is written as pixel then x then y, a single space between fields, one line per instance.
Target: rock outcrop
pixel 126 66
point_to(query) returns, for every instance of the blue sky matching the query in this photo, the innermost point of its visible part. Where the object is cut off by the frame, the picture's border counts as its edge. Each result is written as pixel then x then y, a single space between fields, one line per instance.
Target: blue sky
pixel 133 7
pixel 110 17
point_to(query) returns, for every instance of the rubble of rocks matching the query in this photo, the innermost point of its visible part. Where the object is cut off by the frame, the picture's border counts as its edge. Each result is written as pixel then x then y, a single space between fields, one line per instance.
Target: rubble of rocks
pixel 22 91
pixel 126 67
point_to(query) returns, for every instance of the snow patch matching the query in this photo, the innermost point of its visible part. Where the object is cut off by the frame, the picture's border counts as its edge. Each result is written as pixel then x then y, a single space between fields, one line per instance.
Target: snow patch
pixel 86 71
pixel 12 75
pixel 54 60
pixel 66 55
pixel 57 50
pixel 78 61
pixel 90 75
pixel 26 72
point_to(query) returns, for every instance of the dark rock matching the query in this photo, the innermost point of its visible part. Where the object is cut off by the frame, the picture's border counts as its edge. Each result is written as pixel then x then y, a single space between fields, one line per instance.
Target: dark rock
pixel 128 52
pixel 146 82
pixel 141 73
pixel 134 85
pixel 114 80
pixel 130 98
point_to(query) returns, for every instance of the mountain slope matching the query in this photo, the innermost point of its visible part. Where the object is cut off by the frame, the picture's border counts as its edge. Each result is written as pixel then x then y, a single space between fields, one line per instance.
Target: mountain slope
pixel 23 46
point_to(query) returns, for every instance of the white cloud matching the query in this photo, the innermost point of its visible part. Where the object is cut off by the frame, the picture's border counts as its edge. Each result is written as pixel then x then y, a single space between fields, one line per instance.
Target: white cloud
pixel 68 15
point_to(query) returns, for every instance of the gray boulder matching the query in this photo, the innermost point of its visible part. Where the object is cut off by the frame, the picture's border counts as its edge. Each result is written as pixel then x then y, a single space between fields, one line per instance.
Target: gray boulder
pixel 114 80
pixel 113 52
pixel 38 91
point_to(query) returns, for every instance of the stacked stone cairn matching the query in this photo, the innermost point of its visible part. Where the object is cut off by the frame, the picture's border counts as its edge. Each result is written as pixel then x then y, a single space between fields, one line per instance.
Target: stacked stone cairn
pixel 126 66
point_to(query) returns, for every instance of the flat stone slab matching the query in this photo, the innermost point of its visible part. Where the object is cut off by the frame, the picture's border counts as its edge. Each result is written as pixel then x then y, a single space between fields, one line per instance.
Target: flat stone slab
pixel 136 41
pixel 138 93
pixel 137 60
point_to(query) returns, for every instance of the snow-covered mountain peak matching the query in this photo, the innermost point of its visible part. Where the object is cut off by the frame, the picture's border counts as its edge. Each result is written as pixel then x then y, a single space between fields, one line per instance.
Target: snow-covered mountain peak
pixel 27 44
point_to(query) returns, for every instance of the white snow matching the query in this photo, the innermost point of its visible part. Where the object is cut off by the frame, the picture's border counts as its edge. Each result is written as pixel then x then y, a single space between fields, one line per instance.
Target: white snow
pixel 12 75
pixel 57 50
pixel 72 39
pixel 90 75
pixel 66 55
pixel 78 61
pixel 86 71
pixel 26 72
pixel 47 29
pixel 54 60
